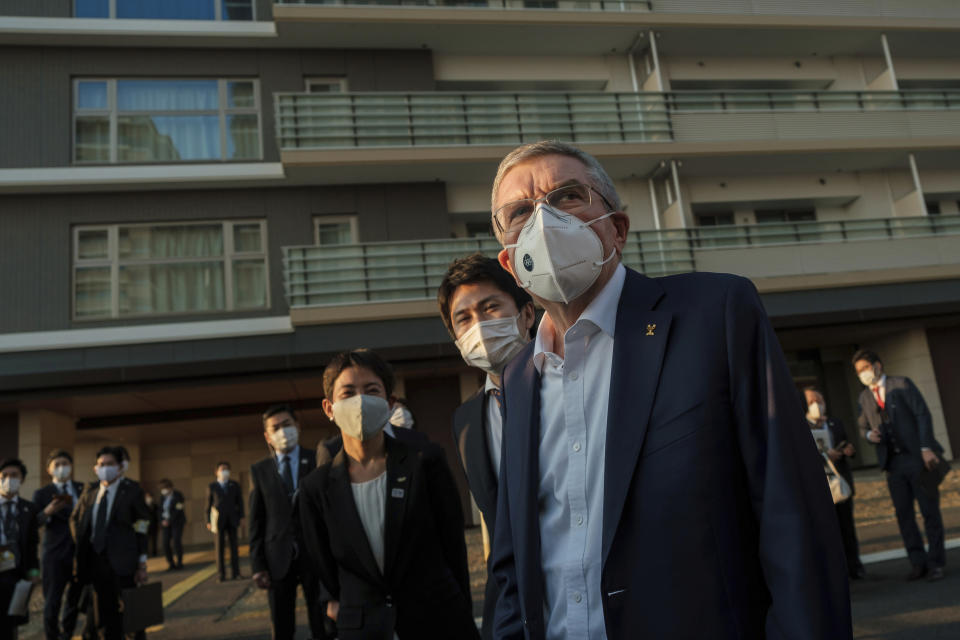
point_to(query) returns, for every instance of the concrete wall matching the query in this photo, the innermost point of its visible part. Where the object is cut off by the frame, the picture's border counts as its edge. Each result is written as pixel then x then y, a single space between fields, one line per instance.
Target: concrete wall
pixel 40 432
pixel 840 73
pixel 35 263
pixel 908 354
pixel 37 124
pixel 614 70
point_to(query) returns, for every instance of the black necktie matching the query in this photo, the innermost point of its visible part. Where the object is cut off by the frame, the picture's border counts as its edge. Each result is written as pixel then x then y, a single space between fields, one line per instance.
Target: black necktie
pixel 287 475
pixel 11 528
pixel 100 529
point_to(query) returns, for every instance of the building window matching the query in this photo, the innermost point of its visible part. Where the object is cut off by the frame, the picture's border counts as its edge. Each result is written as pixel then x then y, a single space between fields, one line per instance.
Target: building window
pixel 326 85
pixel 714 219
pixel 479 230
pixel 165 9
pixel 334 230
pixel 933 207
pixel 785 215
pixel 140 121
pixel 155 269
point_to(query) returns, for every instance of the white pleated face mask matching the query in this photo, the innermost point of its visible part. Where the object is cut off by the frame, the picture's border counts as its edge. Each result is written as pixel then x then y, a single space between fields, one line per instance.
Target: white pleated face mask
pixel 491 344
pixel 361 416
pixel 557 255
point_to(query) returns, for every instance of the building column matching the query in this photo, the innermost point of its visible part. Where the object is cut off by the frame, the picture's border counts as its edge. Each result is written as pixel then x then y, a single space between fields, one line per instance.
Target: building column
pixel 41 431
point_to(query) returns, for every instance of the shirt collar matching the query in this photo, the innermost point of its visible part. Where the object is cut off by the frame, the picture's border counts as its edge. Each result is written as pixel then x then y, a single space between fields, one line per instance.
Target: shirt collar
pixel 490 385
pixel 292 455
pixel 882 383
pixel 601 312
pixel 12 500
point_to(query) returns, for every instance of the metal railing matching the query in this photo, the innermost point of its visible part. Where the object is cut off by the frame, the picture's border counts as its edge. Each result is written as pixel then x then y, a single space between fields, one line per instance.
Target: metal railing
pixel 387 119
pixel 411 271
pixel 838 8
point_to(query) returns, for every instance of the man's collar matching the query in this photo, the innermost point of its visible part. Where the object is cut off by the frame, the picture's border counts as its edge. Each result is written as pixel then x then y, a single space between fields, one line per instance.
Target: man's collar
pixel 881 383
pixel 601 312
pixel 490 385
pixel 6 500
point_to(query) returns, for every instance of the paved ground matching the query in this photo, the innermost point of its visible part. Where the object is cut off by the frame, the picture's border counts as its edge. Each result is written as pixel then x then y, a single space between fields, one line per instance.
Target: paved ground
pixel 885 607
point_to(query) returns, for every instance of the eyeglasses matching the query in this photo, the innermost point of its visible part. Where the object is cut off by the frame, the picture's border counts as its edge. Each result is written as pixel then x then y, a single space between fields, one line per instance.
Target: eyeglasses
pixel 511 217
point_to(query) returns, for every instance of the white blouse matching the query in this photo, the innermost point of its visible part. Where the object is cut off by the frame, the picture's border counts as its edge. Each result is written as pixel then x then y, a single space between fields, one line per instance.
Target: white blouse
pixel 371 500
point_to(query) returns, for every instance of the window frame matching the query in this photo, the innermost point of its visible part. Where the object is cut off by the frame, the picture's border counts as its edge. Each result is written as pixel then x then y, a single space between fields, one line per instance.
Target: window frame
pixel 328 80
pixel 113 115
pixel 114 262
pixel 217 13
pixel 336 219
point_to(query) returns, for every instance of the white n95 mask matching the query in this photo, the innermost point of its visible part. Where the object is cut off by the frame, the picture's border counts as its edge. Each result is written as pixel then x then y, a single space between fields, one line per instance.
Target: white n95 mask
pixel 490 344
pixel 557 255
pixel 285 439
pixel 361 416
pixel 868 377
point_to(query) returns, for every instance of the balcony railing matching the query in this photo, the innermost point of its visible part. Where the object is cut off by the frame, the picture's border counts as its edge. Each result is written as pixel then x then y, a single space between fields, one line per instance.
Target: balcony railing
pixel 411 271
pixel 838 8
pixel 384 119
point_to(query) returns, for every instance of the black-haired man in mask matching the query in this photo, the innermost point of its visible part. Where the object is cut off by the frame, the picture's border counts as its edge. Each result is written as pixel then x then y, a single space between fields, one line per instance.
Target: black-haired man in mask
pixel 275 534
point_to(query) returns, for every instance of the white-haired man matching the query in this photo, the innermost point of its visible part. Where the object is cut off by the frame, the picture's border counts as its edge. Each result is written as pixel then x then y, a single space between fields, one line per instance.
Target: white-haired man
pixel 657 478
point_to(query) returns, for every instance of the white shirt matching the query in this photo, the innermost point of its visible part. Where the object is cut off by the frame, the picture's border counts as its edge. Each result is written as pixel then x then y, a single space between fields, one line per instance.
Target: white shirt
pixel 574 393
pixel 294 465
pixel 3 515
pixel 66 487
pixel 111 493
pixel 371 500
pixel 494 425
pixel 880 387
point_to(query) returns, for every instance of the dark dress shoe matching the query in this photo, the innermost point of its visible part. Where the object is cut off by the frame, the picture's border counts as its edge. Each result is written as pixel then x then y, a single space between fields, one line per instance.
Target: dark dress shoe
pixel 171 567
pixel 221 578
pixel 916 573
pixel 858 574
pixel 936 574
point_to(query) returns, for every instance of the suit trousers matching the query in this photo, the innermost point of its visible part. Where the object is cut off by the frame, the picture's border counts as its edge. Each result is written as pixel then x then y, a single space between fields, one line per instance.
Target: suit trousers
pixel 173 544
pixel 108 587
pixel 8 625
pixel 905 482
pixel 57 579
pixel 848 532
pixel 227 532
pixel 282 597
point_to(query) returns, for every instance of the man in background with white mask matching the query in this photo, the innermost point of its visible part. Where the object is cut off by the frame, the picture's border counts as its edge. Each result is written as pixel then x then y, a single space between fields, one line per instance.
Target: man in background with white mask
pixel 276 541
pixel 224 518
pixel 173 519
pixel 831 431
pixel 18 542
pixel 109 528
pixel 54 502
pixel 490 318
pixel 657 480
pixel 894 416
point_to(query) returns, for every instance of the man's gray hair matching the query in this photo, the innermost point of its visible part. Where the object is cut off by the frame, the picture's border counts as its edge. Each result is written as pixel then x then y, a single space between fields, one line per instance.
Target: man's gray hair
pixel 596 172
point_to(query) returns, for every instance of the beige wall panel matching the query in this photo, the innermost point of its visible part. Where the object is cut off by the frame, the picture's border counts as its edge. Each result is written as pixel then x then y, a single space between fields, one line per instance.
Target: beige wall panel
pixel 926 68
pixel 505 68
pixel 154 470
pixel 910 205
pixel 160 450
pixel 883 82
pixel 908 354
pixel 771 187
pixel 40 432
pixel 469 198
pixel 874 200
pixel 752 68
pixel 215 445
pixel 853 73
pixel 938 181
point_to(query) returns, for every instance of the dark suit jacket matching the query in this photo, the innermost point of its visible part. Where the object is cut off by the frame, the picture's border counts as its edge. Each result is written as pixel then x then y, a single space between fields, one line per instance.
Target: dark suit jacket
pixel 717 522
pixel 425 575
pixel 909 416
pixel 29 540
pixel 274 527
pixel 470 435
pixel 125 542
pixel 57 539
pixel 229 503
pixel 178 515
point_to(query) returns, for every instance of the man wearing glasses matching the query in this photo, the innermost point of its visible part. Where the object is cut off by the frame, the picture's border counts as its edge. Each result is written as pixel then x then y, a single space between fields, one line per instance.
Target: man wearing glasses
pixel 657 478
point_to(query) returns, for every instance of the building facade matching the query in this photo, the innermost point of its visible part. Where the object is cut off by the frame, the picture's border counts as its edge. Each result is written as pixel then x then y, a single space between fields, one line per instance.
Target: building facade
pixel 201 202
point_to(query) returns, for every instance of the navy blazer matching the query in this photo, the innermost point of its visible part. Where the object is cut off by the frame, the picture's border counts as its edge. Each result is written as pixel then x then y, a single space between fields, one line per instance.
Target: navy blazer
pixel 57 539
pixel 717 521
pixel 909 417
pixel 228 503
pixel 471 437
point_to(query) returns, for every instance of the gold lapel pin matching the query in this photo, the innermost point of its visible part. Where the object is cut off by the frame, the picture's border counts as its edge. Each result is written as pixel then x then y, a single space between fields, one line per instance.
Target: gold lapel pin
pixel 402 479
pixel 650 329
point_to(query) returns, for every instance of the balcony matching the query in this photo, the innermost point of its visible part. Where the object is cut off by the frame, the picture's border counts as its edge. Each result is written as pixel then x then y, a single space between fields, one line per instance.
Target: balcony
pixel 400 279
pixel 426 136
pixel 596 27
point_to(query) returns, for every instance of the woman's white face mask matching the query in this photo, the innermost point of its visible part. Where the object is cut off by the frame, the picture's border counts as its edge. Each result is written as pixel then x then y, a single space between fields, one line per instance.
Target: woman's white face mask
pixel 491 344
pixel 361 416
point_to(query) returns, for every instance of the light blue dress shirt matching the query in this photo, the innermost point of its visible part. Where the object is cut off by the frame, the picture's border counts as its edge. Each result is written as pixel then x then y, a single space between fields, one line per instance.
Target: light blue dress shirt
pixel 574 393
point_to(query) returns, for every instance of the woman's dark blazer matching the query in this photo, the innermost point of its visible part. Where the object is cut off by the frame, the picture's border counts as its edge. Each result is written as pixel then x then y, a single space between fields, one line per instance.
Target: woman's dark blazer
pixel 424 590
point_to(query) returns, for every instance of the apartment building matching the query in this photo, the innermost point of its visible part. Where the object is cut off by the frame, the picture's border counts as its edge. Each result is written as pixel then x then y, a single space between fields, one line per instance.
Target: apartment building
pixel 201 201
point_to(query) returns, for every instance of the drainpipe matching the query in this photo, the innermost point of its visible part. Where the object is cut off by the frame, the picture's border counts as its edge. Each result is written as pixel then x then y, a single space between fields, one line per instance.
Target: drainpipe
pixel 889 60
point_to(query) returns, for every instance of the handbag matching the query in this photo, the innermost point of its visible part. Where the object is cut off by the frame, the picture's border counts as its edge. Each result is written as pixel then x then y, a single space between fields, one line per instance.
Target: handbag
pixel 840 489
